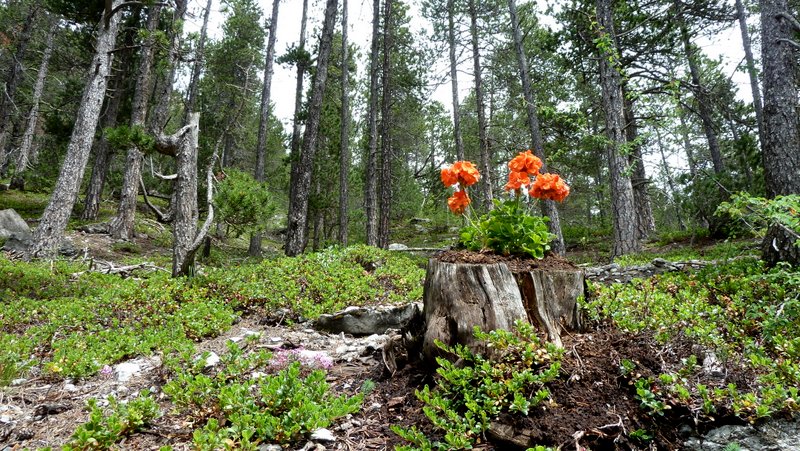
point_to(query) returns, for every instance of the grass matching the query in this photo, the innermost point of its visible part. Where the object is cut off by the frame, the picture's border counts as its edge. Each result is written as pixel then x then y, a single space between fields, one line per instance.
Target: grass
pixel 72 326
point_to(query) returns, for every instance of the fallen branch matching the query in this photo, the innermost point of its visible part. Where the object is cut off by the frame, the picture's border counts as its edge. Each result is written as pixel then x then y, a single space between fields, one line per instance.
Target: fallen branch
pixel 106 267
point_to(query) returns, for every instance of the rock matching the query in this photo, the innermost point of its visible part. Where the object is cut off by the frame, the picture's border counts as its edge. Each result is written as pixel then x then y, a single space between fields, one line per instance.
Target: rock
pixel 212 360
pixel 712 365
pixel 397 247
pixel 323 435
pixel 70 388
pixel 270 448
pixel 94 229
pixel 311 446
pixel 16 244
pixel 17 382
pixel 126 370
pixel 775 435
pixel 369 320
pixel 510 437
pixel 12 223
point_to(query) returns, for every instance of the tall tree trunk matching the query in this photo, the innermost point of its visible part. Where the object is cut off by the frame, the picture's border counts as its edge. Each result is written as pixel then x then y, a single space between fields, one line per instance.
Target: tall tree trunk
pixel 294 153
pixel 752 72
pixel 199 60
pixel 781 148
pixel 166 79
pixel 344 138
pixel 121 226
pixel 645 223
pixel 103 153
pixel 23 157
pixel 702 102
pixel 670 180
pixel 185 236
pixel 549 208
pixel 451 41
pixel 370 182
pixel 298 204
pixel 386 138
pixel 622 203
pixel 687 143
pixel 14 76
pixel 50 231
pixel 486 179
pixel 263 124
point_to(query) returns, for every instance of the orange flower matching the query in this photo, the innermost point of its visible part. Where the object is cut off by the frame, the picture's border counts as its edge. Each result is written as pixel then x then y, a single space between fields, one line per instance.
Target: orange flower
pixel 458 202
pixel 525 162
pixel 549 186
pixel 462 172
pixel 516 180
pixel 449 178
pixel 466 172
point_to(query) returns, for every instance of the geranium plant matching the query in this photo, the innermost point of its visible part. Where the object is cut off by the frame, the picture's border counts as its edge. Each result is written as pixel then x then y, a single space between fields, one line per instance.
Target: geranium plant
pixel 509 228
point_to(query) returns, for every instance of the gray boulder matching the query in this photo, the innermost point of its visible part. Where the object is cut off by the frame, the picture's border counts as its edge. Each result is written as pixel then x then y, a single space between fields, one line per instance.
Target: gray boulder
pixel 369 320
pixel 774 435
pixel 11 223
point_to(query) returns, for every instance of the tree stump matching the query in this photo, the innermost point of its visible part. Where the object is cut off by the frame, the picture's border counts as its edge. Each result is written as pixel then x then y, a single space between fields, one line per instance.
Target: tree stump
pixel 459 296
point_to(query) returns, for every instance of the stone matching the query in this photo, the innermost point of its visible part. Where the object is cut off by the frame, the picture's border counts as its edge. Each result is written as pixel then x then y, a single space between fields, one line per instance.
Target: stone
pixel 774 435
pixel 369 320
pixel 126 370
pixel 94 229
pixel 323 435
pixel 212 359
pixel 11 223
pixel 397 247
pixel 270 448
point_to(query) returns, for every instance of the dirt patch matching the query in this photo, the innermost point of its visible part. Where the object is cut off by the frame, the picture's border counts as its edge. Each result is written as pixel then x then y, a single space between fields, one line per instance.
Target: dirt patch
pixel 515 263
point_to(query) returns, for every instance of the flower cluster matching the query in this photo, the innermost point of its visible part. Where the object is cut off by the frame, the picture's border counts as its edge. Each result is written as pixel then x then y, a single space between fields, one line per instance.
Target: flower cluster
pixel 545 186
pixel 508 228
pixel 463 174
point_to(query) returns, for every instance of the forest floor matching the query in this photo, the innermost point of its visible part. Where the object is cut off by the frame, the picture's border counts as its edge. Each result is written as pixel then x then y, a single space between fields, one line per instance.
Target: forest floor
pixel 592 404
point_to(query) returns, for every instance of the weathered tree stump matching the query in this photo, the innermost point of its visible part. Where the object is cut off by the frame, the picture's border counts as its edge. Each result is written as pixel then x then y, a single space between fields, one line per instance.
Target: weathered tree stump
pixel 459 296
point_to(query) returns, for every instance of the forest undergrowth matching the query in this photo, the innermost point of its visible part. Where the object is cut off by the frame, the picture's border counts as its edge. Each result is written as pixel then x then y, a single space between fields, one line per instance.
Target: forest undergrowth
pixel 702 348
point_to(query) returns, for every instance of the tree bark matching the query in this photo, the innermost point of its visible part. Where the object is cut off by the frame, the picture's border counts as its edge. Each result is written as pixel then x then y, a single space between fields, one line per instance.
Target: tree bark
pixel 645 223
pixel 386 138
pixel 485 183
pixel 622 202
pixel 451 41
pixel 199 59
pixel 263 125
pixel 50 231
pixel 186 239
pixel 370 182
pixel 457 297
pixel 670 181
pixel 752 72
pixel 549 208
pixel 23 157
pixel 702 102
pixel 103 153
pixel 781 147
pixel 294 153
pixel 166 79
pixel 298 204
pixel 7 97
pixel 121 226
pixel 344 150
